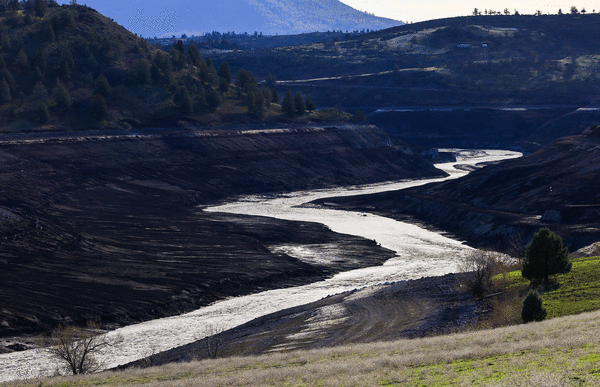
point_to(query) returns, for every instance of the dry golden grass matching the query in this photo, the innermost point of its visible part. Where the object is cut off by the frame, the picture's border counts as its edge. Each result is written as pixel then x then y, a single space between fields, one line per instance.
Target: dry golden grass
pixel 559 352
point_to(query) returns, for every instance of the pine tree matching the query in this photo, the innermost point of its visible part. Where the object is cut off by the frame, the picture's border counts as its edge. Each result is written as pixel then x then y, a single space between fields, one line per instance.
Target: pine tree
pixel 102 87
pixel 545 256
pixel 533 309
pixel 7 76
pixel 213 98
pixel 225 72
pixel 310 105
pixel 43 113
pixel 5 95
pixel 260 106
pixel 287 106
pixel 183 100
pixel 40 8
pixel 299 104
pixel 266 92
pixel 40 60
pixel 193 55
pixel 223 85
pixel 251 102
pixel 40 92
pixel 22 61
pixel 62 97
pixel 48 31
pixel 99 109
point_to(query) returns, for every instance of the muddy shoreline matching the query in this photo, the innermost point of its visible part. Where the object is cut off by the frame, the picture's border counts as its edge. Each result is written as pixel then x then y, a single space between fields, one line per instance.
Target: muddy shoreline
pixel 111 229
pixel 406 309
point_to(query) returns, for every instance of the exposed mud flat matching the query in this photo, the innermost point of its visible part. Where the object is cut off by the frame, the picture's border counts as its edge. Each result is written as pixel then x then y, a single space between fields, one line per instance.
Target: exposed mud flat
pixel 106 226
pixel 407 309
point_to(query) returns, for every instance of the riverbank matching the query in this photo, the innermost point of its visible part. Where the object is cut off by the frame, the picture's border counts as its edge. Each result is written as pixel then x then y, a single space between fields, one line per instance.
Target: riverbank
pixel 419 253
pixel 407 309
pixel 502 206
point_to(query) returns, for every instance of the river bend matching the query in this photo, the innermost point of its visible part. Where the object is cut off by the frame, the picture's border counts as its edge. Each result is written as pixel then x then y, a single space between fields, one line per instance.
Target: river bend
pixel 419 253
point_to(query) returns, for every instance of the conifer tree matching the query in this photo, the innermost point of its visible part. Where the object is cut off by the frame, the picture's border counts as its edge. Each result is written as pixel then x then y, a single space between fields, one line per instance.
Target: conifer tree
pixel 288 107
pixel 213 98
pixel 40 92
pixel 260 106
pixel 545 256
pixel 102 87
pixel 310 105
pixel 251 102
pixel 194 56
pixel 40 60
pixel 5 95
pixel 225 72
pixel 183 100
pixel 48 31
pixel 22 61
pixel 533 309
pixel 43 113
pixel 61 97
pixel 299 104
pixel 223 85
pixel 7 76
pixel 99 109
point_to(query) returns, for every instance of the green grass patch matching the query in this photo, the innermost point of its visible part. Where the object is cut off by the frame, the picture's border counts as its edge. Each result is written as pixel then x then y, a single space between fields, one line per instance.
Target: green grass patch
pixel 575 292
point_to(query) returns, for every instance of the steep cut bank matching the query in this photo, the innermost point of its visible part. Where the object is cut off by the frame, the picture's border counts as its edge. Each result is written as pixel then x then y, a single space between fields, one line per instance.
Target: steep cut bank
pixel 107 226
pixel 501 205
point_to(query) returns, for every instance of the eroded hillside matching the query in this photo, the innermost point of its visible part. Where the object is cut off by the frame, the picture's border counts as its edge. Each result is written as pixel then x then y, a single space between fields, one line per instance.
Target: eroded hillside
pixel 107 226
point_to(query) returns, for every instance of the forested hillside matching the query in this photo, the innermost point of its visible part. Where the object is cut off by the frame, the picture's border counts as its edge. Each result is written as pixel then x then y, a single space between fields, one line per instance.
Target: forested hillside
pixel 69 67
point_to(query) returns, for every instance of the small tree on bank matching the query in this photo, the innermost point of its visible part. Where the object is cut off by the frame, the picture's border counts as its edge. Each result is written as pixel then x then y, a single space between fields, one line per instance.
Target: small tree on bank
pixel 299 104
pixel 533 309
pixel 78 347
pixel 477 270
pixel 288 107
pixel 545 256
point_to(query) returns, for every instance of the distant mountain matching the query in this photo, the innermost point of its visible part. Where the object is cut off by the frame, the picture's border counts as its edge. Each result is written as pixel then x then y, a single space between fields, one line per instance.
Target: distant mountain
pixel 150 18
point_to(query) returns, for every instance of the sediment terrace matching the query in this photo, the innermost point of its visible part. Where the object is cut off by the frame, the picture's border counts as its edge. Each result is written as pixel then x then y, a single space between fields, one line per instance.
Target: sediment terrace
pixel 109 226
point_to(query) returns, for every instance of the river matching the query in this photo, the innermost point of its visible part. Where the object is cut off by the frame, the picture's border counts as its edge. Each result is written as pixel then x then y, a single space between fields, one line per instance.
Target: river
pixel 419 253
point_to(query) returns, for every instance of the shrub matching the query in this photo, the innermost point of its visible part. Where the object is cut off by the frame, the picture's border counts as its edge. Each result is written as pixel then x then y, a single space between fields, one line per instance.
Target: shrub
pixel 102 86
pixel 43 113
pixel 545 256
pixel 533 310
pixel 183 100
pixel 478 269
pixel 287 106
pixel 99 108
pixel 299 104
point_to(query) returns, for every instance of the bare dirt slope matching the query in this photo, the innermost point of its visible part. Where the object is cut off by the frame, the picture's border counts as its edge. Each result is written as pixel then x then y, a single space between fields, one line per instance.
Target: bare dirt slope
pixel 107 225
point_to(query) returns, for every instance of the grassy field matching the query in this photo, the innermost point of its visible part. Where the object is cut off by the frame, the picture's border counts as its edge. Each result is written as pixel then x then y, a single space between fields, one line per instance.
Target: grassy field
pixel 561 351
pixel 574 292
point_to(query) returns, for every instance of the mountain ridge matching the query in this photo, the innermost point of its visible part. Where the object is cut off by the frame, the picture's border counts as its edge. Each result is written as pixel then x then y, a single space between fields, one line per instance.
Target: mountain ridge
pixel 272 17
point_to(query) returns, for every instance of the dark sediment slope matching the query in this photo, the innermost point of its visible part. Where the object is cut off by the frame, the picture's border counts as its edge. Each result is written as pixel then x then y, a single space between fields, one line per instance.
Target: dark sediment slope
pixel 110 228
pixel 502 205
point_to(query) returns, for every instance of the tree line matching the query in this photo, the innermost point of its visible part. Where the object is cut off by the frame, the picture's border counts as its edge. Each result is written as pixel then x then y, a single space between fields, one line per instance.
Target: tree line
pixel 478 12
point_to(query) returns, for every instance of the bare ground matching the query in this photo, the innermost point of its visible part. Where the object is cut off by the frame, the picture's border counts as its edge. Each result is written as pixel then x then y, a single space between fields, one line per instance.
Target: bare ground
pixel 406 309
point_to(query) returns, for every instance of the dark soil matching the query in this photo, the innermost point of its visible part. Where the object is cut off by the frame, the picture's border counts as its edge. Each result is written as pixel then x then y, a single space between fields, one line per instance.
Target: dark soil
pixel 109 226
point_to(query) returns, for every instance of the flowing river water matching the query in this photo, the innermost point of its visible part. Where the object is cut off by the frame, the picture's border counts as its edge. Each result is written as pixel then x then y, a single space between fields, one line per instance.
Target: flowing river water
pixel 419 253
